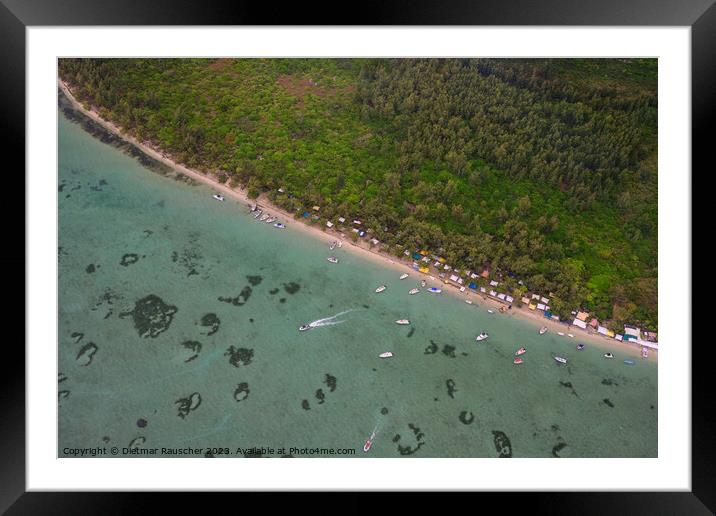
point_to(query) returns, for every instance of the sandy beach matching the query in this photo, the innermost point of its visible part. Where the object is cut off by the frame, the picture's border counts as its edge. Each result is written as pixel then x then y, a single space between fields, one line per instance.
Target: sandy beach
pixel 479 301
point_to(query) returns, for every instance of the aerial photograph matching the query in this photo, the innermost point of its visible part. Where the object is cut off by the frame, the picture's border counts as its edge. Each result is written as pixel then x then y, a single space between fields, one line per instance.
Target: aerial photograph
pixel 357 257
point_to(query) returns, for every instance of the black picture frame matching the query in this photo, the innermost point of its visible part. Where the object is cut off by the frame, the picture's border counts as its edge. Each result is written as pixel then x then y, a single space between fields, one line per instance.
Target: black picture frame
pixel 17 15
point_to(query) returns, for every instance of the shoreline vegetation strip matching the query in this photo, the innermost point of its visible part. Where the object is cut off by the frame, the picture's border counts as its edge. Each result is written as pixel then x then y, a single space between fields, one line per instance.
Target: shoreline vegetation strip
pixel 375 255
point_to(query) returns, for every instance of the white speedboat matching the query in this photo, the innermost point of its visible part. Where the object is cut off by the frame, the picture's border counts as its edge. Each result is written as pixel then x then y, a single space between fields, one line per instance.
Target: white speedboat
pixel 333 259
pixel 434 290
pixel 270 220
pixel 369 442
pixel 468 301
pixel 387 354
pixel 570 335
pixel 490 311
pixel 279 226
pixel 258 213
pixel 608 355
pixel 253 207
pixel 402 321
pixel 561 360
pixel 380 289
pixel 560 333
pixel 333 245
pixel 304 327
pixel 413 291
pixel 422 283
pixel 543 330
pixel 218 197
pixel 340 244
pixel 483 335
pixel 264 217
pixel 520 351
pixel 403 276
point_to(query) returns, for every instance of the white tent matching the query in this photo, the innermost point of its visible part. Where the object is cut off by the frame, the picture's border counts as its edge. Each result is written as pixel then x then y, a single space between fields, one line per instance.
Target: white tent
pixel 580 323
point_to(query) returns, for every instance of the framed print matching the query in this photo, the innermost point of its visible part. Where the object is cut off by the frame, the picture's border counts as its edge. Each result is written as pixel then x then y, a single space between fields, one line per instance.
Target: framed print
pixel 392 254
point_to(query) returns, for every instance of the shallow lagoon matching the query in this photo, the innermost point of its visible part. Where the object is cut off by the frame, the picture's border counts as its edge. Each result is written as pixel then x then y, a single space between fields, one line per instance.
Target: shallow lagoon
pixel 178 326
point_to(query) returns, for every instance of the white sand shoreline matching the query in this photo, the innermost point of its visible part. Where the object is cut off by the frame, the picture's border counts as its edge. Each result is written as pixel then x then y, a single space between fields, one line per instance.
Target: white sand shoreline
pixel 478 300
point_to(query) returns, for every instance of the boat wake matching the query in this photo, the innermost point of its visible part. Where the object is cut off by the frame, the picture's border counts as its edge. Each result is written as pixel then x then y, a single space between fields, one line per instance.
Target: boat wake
pixel 330 321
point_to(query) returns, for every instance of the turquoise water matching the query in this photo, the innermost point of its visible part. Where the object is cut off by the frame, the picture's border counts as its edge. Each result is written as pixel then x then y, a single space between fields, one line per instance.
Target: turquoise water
pixel 178 327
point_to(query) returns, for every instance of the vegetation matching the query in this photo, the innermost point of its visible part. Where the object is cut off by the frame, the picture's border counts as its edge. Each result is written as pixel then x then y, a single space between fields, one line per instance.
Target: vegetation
pixel 544 170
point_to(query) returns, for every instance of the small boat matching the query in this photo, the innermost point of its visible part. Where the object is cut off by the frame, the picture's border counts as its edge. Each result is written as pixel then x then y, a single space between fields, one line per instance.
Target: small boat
pixel 413 291
pixel 340 244
pixel 570 335
pixel 644 352
pixel 561 360
pixel 543 330
pixel 403 276
pixel 380 289
pixel 434 290
pixel 402 321
pixel 490 311
pixel 333 245
pixel 369 442
pixel 608 355
pixel 304 327
pixel 253 207
pixel 468 301
pixel 580 347
pixel 560 333
pixel 422 283
pixel 332 259
pixel 520 351
pixel 270 220
pixel 258 213
pixel 387 354
pixel 218 197
pixel 264 217
pixel 279 225
pixel 629 361
pixel 483 335
pixel 517 360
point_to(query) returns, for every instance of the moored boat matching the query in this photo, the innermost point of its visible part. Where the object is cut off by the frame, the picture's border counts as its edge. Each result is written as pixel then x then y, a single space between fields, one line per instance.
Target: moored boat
pixel 580 347
pixel 560 333
pixel 387 354
pixel 403 276
pixel 570 335
pixel 434 290
pixel 490 311
pixel 402 321
pixel 340 244
pixel 333 245
pixel 218 197
pixel 304 327
pixel 468 301
pixel 543 330
pixel 413 291
pixel 517 360
pixel 483 335
pixel 608 355
pixel 422 283
pixel 520 351
pixel 644 352
pixel 279 225
pixel 264 217
pixel 332 259
pixel 258 213
pixel 270 220
pixel 561 360
pixel 380 289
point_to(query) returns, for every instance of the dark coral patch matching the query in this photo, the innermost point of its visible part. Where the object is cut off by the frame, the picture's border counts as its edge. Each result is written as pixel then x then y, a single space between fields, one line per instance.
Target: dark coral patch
pixel 151 316
pixel 431 349
pixel 241 392
pixel 608 403
pixel 193 346
pixel 320 396
pixel 188 404
pixel 305 405
pixel 466 417
pixel 557 448
pixel 282 300
pixel 141 422
pixel 330 381
pixel 240 299
pixel 254 280
pixel 449 351
pixel 451 389
pixel 211 321
pixel 273 291
pixel 291 287
pixel 384 410
pixel 238 356
pixel 419 438
pixel 90 268
pixel 86 354
pixel 129 259
pixel 410 333
pixel 502 444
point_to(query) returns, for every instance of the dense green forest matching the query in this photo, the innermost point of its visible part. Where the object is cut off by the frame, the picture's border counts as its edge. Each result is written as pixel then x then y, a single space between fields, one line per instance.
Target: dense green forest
pixel 542 169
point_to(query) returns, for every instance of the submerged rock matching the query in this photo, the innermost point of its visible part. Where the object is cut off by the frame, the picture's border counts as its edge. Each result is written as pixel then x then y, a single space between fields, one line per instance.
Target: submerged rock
pixel 431 349
pixel 241 392
pixel 212 322
pixel 254 280
pixel 291 287
pixel 193 346
pixel 466 417
pixel 451 389
pixel 330 381
pixel 129 259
